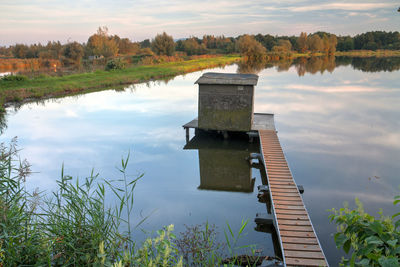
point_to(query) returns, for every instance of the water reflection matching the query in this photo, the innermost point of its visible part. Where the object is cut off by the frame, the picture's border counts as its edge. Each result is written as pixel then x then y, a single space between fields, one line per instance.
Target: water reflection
pixel 337 130
pixel 224 163
pixel 314 65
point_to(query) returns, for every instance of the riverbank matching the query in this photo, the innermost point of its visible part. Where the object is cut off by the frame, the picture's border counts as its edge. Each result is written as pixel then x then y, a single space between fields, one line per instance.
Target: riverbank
pixel 45 87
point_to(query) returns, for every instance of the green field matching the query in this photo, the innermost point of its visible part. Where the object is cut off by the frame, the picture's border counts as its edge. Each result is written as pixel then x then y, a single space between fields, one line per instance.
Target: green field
pixel 45 87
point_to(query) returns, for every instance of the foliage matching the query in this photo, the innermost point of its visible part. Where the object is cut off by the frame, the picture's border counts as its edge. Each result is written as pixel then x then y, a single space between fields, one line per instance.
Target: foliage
pixel 163 44
pixel 302 42
pixel 371 241
pixel 377 40
pixel 12 78
pixel 63 230
pixel 192 47
pixel 198 244
pixel 251 50
pixel 115 64
pixel 102 44
pixel 73 53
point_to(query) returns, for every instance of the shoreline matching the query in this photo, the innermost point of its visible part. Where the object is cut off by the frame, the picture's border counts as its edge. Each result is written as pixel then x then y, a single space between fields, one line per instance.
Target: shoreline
pixel 50 87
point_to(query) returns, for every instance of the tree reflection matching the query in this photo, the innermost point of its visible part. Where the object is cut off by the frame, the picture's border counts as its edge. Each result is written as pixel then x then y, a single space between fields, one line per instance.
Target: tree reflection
pixel 315 65
pixel 251 67
pixel 3 121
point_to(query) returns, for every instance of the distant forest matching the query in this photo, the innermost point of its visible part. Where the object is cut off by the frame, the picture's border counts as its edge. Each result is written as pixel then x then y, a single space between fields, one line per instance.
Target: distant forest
pixel 104 45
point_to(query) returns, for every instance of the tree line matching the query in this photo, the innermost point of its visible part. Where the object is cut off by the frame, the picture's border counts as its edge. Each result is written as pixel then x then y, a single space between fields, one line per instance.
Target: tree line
pixel 253 47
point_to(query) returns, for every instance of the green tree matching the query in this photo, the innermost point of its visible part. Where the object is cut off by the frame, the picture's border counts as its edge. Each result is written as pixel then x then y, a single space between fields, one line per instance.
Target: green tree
pixel 251 49
pixel 73 52
pixel 163 44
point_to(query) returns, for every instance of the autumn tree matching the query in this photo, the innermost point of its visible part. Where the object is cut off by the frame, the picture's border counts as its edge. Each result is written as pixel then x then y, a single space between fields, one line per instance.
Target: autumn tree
pixel 283 46
pixel 192 47
pixel 302 42
pixel 332 44
pixel 125 46
pixel 163 44
pixel 20 50
pixel 314 43
pixel 101 44
pixel 251 49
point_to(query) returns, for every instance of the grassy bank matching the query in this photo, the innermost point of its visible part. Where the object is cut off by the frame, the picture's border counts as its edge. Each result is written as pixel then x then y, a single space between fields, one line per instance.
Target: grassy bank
pixel 44 87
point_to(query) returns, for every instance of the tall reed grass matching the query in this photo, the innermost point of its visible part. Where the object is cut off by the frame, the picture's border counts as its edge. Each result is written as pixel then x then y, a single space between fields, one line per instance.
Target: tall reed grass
pixel 75 225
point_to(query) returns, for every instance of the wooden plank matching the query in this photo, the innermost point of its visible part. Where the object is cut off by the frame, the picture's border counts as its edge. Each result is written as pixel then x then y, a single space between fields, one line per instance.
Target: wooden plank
pixel 287 198
pixel 299 240
pixel 287 202
pixel 293 217
pixel 301 228
pixel 287 207
pixel 301 247
pixel 284 178
pixel 304 262
pixel 282 182
pixel 297 234
pixel 297 222
pixel 286 190
pixel 291 212
pixel 304 254
pixel 277 193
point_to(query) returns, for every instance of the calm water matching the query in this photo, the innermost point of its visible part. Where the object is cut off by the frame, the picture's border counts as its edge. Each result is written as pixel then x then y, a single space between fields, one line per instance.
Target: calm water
pixel 340 131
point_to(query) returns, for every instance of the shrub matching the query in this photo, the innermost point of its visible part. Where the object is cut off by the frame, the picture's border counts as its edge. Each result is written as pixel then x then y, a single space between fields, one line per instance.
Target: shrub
pixel 115 64
pixel 12 78
pixel 372 241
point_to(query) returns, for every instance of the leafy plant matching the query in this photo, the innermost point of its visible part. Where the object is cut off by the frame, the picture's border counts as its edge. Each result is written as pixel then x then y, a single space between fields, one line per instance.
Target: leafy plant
pixel 12 78
pixel 115 64
pixel 198 245
pixel 371 241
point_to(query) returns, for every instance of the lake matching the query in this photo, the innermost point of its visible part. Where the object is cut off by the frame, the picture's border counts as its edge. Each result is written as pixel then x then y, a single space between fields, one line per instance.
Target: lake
pixel 338 123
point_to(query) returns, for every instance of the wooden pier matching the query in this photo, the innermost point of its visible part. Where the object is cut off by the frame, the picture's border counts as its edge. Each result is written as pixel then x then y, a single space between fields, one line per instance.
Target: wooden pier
pixel 298 241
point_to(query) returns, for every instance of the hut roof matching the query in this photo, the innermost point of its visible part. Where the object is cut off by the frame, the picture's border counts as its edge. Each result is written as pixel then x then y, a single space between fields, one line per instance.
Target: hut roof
pixel 227 78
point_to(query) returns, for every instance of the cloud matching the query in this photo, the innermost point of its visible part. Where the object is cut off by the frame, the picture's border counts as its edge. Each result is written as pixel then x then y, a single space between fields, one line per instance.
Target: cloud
pixel 342 6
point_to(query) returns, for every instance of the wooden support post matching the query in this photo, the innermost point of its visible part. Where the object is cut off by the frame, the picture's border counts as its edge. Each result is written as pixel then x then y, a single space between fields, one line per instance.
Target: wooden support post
pixel 187 135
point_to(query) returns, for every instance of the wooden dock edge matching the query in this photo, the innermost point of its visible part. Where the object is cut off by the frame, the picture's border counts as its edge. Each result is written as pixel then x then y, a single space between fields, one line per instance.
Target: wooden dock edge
pixel 295 251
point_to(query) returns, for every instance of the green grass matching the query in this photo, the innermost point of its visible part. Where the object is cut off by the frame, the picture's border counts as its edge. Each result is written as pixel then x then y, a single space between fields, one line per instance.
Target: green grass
pixel 76 225
pixel 44 87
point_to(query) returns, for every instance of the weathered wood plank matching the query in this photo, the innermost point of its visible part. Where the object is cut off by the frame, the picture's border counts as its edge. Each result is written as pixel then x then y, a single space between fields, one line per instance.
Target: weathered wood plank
pixel 304 262
pixel 301 228
pixel 291 217
pixel 299 240
pixel 291 212
pixel 289 207
pixel 296 234
pixel 297 222
pixel 287 202
pixel 304 254
pixel 301 247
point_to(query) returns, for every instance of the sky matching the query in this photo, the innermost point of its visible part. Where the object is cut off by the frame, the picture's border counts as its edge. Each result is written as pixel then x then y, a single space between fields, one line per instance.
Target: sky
pixel 32 21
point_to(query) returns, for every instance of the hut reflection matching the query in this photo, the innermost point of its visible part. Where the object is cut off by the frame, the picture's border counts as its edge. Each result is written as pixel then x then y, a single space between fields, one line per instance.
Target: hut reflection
pixel 224 163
